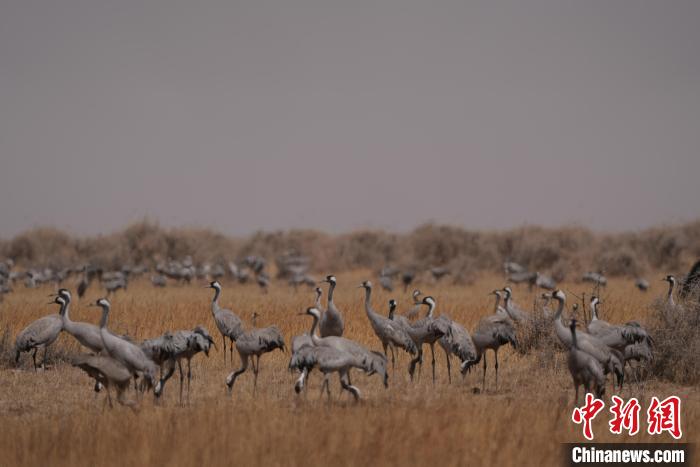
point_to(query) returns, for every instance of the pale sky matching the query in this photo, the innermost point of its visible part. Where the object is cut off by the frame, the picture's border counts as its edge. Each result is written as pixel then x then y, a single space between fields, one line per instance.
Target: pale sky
pixel 339 115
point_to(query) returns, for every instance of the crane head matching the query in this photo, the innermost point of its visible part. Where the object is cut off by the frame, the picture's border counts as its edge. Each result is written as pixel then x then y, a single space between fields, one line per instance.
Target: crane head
pixel 330 279
pixel 670 279
pixel 366 285
pixel 430 301
pixel 392 304
pixel 559 295
pixel 313 311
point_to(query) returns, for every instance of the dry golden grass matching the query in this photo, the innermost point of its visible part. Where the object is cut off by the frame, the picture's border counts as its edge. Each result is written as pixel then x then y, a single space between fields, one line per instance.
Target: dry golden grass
pixel 53 417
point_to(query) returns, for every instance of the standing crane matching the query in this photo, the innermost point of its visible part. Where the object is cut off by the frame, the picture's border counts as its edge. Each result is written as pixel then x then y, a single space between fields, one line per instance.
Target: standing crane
pixel 331 320
pixel 227 321
pixel 40 334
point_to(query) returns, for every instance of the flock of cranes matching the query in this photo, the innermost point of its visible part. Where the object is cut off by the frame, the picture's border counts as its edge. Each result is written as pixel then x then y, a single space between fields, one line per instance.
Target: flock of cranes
pixel 594 352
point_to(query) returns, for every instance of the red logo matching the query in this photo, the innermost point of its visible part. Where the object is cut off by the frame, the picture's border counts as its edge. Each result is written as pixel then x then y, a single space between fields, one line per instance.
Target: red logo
pixel 587 413
pixel 665 416
pixel 625 416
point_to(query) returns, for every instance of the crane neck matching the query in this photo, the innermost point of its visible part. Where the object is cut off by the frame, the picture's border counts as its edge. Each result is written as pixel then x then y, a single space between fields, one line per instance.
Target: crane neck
pixel 331 289
pixel 318 300
pixel 498 302
pixel 431 308
pixel 314 337
pixel 105 315
pixel 560 309
pixel 215 300
pixel 368 296
pixel 574 340
pixel 391 312
pixel 594 310
pixel 670 292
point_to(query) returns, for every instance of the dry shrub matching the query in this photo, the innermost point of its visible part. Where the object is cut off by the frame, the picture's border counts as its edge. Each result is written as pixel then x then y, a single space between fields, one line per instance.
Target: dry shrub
pixel 676 333
pixel 561 252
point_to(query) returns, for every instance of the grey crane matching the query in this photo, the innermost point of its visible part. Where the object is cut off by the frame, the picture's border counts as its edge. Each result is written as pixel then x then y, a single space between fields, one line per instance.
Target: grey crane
pixel 374 364
pixel 252 344
pixel 609 359
pixel 172 347
pixel 159 280
pixel 417 304
pixel 642 284
pixel 671 284
pixel 427 330
pixel 516 313
pixel 107 372
pixel 595 278
pixel 457 342
pixel 389 333
pixel 585 370
pixel 545 282
pixel 328 360
pixel 228 323
pixel 127 353
pixel 87 334
pixel 492 332
pixel 319 294
pixel 40 334
pixel 387 283
pixel 616 336
pixel 331 320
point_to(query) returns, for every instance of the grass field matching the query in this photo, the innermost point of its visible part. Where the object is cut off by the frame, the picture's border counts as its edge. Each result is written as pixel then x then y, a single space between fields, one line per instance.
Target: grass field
pixel 53 417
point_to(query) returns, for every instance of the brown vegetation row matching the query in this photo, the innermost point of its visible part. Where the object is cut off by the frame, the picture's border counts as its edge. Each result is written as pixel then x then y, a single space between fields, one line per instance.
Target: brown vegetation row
pixel 563 252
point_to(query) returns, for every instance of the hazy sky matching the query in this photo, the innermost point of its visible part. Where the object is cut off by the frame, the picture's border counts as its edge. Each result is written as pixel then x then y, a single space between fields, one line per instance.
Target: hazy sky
pixel 340 115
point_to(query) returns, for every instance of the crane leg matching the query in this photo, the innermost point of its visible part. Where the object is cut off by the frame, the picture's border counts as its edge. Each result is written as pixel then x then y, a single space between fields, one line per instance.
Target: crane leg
pixel 189 378
pixel 393 358
pixel 384 345
pixel 449 369
pixel 483 377
pixel 182 377
pixel 256 368
pixel 414 361
pixel 231 350
pixel 223 340
pixel 349 387
pixel 46 352
pixel 495 353
pixel 231 378
pixel 432 353
pixel 326 386
pixel 34 357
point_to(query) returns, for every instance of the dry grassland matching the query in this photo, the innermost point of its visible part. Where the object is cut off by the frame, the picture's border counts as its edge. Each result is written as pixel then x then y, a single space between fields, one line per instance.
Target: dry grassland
pixel 53 417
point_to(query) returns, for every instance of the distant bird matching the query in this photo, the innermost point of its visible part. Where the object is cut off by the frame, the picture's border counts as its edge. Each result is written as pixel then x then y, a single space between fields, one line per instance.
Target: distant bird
pixel 595 278
pixel 332 320
pixel 492 332
pixel 515 313
pixel 112 285
pixel 387 283
pixel 525 277
pixel 585 370
pixel 642 284
pixel 170 348
pixel 511 267
pixel 610 360
pixel 107 372
pixel 263 281
pixel 427 330
pixel 127 353
pixel 389 333
pixel 83 286
pixel 407 279
pixel 40 334
pixel 228 323
pixel 159 280
pixel 439 272
pixel 251 344
pixel 545 282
